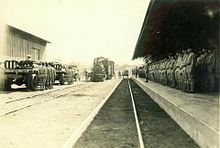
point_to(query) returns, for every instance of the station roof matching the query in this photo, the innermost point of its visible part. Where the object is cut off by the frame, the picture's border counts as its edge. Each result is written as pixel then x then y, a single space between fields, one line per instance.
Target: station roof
pixel 28 35
pixel 174 25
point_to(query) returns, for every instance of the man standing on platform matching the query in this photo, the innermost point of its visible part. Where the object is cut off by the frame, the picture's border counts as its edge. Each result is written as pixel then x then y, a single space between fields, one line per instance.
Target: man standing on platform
pixel 136 72
pixel 146 71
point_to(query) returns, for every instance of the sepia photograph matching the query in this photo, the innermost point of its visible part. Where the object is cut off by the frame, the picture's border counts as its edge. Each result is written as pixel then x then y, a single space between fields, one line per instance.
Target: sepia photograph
pixel 109 73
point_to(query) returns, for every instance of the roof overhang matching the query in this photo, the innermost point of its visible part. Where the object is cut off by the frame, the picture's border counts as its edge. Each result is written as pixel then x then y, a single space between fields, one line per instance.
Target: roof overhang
pixel 172 25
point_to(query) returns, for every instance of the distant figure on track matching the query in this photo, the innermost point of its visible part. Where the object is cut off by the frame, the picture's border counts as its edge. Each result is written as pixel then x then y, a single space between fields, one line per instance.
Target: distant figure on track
pixel 119 74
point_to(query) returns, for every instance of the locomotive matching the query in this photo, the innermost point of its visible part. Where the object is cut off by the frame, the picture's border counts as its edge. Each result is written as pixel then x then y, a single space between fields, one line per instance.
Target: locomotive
pixel 103 69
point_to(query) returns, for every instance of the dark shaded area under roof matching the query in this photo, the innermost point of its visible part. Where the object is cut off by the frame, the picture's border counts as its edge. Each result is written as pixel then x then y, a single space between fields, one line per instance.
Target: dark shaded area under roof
pixel 175 25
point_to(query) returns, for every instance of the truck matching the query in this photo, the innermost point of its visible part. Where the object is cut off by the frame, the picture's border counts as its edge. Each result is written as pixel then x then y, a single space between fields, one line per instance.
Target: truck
pixel 19 73
pixel 64 74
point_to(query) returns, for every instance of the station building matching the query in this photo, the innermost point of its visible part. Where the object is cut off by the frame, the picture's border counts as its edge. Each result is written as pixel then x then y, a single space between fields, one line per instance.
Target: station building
pixel 16 44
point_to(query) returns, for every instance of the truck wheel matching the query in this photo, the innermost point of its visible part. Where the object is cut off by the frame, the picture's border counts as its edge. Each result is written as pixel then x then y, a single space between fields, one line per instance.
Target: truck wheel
pixel 62 80
pixel 35 83
pixel 7 84
pixel 30 82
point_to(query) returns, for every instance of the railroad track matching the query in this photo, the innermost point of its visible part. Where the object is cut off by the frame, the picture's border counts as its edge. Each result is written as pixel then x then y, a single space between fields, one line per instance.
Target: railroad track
pixel 19 104
pixel 40 94
pixel 131 116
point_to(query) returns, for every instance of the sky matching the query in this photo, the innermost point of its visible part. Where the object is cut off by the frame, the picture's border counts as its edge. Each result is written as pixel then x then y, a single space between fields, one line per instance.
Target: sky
pixel 80 30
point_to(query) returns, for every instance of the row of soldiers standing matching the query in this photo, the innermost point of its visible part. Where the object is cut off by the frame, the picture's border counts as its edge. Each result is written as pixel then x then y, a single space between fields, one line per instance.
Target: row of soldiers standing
pixel 186 71
pixel 46 76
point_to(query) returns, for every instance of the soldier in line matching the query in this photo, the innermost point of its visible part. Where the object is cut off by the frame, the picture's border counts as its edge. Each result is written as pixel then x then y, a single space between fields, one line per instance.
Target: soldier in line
pixel 201 71
pixel 168 69
pixel 136 72
pixel 170 72
pixel 160 71
pixel 151 72
pixel 177 71
pixel 53 74
pixel 183 72
pixel 41 76
pixel 211 70
pixel 198 71
pixel 47 76
pixel 166 66
pixel 189 70
pixel 44 76
pixel 50 76
pixel 146 69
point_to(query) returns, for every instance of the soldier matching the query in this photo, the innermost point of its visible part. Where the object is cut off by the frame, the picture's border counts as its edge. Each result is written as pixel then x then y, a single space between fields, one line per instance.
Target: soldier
pixel 50 76
pixel 160 71
pixel 184 71
pixel 146 68
pixel 201 71
pixel 28 62
pixel 211 70
pixel 178 70
pixel 172 72
pixel 166 67
pixel 204 70
pixel 41 75
pixel 47 76
pixel 136 72
pixel 150 72
pixel 190 62
pixel 198 71
pixel 53 74
pixel 44 75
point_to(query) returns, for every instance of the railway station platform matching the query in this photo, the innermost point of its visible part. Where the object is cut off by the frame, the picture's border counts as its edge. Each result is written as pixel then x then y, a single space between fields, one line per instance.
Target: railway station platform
pixel 197 114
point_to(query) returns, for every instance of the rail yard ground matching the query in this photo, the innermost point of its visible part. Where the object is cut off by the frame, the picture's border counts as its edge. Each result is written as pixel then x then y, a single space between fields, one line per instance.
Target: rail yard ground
pixel 89 114
pixel 48 118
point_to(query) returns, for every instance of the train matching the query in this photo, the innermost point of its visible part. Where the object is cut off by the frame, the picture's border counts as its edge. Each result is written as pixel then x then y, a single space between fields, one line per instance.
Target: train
pixel 103 69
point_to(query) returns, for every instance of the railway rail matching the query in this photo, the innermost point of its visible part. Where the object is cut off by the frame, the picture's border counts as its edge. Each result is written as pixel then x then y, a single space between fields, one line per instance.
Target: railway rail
pixel 19 104
pixel 129 118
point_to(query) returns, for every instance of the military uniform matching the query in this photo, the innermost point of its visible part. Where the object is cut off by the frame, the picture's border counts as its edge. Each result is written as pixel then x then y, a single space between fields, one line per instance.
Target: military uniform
pixel 146 71
pixel 183 83
pixel 190 62
pixel 211 70
pixel 178 70
pixel 170 72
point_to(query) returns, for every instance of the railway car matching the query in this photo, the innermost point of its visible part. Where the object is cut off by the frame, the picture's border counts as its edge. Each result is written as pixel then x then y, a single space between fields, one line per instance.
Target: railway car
pixel 103 69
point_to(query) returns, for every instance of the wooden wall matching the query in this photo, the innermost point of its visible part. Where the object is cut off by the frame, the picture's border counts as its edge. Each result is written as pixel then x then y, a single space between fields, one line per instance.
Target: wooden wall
pixel 20 44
